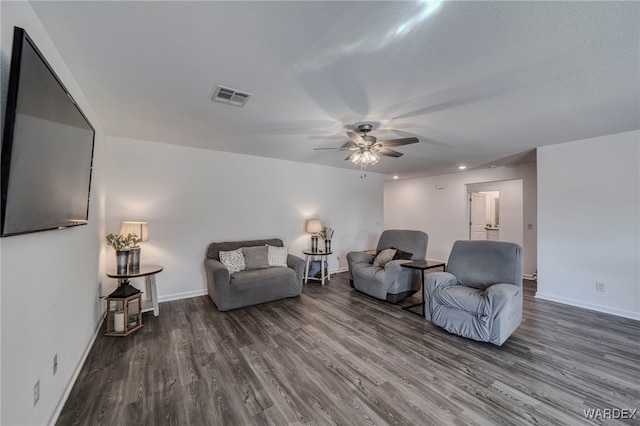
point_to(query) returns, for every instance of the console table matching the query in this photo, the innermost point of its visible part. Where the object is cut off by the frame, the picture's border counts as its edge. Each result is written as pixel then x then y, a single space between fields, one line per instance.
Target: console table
pixel 323 263
pixel 422 265
pixel 149 273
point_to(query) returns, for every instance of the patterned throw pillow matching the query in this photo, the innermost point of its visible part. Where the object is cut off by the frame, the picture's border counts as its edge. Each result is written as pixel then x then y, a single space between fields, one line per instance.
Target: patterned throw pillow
pixel 233 260
pixel 277 255
pixel 255 257
pixel 384 257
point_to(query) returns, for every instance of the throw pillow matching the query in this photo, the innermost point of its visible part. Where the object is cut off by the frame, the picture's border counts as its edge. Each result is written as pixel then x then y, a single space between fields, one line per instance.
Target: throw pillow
pixel 384 257
pixel 255 257
pixel 277 255
pixel 405 255
pixel 233 260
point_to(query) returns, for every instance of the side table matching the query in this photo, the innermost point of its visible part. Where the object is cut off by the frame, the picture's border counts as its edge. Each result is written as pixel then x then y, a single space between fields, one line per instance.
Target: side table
pixel 149 273
pixel 323 264
pixel 422 265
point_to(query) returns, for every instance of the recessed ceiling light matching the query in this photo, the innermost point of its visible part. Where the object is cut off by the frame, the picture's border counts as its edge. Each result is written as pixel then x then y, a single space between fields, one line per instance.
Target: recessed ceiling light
pixel 396 177
pixel 462 167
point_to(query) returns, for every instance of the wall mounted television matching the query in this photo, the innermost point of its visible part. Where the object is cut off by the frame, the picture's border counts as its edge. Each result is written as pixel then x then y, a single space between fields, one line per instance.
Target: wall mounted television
pixel 47 148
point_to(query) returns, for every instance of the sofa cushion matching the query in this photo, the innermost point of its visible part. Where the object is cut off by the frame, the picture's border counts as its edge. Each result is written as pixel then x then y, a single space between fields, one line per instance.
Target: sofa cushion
pixel 255 257
pixel 277 256
pixel 463 298
pixel 233 260
pixel 384 257
pixel 215 248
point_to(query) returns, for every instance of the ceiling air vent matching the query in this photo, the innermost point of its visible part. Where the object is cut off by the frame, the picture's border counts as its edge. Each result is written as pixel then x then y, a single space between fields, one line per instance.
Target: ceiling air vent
pixel 229 96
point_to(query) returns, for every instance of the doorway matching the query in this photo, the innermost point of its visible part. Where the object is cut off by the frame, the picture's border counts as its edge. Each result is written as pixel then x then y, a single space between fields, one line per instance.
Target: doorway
pixel 502 217
pixel 484 213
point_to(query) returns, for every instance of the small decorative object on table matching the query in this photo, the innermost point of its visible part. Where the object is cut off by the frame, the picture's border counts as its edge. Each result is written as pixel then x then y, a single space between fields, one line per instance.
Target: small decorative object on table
pixel 138 231
pixel 326 235
pixel 121 245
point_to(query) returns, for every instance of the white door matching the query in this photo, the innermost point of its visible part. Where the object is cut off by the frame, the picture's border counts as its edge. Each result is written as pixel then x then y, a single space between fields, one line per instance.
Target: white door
pixel 478 216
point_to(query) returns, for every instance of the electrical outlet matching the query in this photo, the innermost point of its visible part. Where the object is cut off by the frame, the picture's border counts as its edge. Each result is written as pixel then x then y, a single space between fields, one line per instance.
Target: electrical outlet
pixel 36 392
pixel 600 286
pixel 55 364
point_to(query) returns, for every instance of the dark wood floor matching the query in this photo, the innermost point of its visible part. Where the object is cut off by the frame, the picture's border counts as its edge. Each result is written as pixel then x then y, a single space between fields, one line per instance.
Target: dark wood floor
pixel 335 356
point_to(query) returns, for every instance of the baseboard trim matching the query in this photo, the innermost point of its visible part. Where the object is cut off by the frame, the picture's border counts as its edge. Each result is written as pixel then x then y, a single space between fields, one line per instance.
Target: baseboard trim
pixel 183 295
pixel 530 277
pixel 53 418
pixel 591 306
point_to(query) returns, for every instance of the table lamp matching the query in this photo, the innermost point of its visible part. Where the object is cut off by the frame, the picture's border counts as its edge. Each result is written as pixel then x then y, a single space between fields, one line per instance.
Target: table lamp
pixel 313 227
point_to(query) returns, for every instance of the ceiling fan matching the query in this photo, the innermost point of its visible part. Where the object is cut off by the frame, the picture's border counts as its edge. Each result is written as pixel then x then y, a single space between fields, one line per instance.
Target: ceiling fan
pixel 367 149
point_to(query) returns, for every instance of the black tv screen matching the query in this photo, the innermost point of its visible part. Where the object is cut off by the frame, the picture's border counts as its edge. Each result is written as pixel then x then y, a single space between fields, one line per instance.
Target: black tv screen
pixel 47 148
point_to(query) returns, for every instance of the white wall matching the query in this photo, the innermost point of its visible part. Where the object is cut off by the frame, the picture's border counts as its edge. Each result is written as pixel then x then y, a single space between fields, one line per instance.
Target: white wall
pixel 589 223
pixel 192 197
pixel 49 280
pixel 443 213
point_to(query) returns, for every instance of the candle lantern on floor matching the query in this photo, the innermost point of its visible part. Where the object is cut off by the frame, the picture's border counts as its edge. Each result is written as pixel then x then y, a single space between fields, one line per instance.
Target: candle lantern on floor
pixel 124 312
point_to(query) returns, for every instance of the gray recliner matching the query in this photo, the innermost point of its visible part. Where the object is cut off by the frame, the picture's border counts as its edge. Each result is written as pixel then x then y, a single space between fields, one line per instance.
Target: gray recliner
pixel 391 282
pixel 480 295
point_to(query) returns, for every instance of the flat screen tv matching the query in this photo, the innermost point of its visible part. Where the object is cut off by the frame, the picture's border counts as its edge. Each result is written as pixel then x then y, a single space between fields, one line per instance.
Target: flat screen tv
pixel 47 148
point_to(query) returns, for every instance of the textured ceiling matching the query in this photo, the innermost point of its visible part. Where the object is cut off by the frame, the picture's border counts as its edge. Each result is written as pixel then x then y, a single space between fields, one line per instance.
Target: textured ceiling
pixel 478 83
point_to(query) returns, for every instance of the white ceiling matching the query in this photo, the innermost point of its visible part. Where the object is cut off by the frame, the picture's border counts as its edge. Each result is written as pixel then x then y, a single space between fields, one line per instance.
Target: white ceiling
pixel 478 83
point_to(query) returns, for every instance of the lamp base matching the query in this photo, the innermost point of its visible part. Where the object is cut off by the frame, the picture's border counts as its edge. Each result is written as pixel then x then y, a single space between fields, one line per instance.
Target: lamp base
pixel 314 243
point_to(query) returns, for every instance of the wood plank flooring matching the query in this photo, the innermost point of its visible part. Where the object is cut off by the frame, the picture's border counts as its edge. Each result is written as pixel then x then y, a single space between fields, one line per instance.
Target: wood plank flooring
pixel 336 356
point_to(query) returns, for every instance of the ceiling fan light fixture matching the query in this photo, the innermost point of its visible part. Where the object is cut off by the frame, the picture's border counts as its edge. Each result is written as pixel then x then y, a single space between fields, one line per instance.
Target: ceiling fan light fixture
pixel 368 150
pixel 370 157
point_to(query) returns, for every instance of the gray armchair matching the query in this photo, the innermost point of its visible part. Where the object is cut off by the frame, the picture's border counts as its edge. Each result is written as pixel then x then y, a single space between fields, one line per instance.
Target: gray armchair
pixel 480 295
pixel 391 282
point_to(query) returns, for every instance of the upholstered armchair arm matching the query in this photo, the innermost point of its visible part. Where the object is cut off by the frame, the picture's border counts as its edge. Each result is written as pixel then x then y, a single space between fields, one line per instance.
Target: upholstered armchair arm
pixel 216 271
pixel 355 257
pixel 394 269
pixel 218 279
pixel 433 282
pixel 359 257
pixel 297 264
pixel 436 280
pixel 504 302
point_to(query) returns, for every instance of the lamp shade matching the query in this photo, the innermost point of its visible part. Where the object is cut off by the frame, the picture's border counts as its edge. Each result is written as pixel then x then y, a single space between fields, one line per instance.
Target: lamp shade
pixel 314 226
pixel 140 229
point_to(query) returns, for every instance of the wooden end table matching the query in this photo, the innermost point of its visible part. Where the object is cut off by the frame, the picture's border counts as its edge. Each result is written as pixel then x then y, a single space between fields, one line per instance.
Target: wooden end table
pixel 149 273
pixel 422 265
pixel 323 262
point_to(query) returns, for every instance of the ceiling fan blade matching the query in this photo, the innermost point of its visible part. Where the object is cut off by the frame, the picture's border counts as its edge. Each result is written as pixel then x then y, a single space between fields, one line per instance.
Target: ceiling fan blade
pixel 349 156
pixel 346 147
pixel 398 142
pixel 356 138
pixel 388 152
pixel 349 145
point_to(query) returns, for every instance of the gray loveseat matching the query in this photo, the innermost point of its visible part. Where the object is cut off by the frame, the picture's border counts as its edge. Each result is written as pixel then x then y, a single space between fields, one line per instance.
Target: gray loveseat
pixel 250 287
